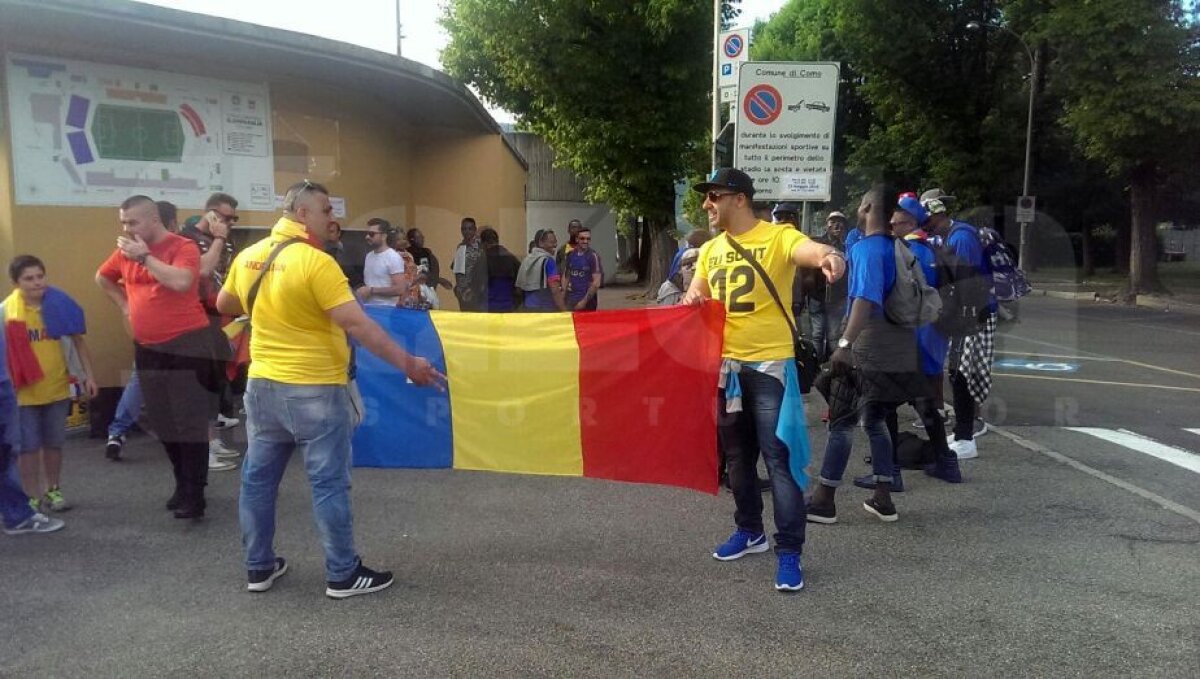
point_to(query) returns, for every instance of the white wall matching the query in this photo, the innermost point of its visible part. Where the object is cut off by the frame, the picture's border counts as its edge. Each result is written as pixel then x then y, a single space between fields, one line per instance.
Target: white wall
pixel 556 214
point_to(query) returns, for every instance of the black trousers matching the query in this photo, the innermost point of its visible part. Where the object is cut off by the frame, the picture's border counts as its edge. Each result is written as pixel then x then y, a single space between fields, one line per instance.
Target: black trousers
pixel 964 407
pixel 180 385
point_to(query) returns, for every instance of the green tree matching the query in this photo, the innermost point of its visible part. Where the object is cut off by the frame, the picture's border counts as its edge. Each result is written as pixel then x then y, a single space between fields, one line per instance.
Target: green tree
pixel 1128 76
pixel 618 88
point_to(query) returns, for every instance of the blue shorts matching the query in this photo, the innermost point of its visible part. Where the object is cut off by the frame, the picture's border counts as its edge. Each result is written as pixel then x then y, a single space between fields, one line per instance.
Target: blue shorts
pixel 43 426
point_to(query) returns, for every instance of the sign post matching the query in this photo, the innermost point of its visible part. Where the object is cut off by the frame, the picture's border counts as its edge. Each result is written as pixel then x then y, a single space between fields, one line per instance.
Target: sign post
pixel 786 115
pixel 733 50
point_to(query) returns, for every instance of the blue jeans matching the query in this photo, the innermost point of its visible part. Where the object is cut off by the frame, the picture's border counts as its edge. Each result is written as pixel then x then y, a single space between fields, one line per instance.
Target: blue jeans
pixel 826 320
pixel 14 503
pixel 841 437
pixel 742 436
pixel 314 419
pixel 128 408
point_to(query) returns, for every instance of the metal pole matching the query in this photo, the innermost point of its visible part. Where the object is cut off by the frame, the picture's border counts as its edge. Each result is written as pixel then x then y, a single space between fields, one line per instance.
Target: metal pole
pixel 399 33
pixel 1023 251
pixel 716 89
pixel 806 218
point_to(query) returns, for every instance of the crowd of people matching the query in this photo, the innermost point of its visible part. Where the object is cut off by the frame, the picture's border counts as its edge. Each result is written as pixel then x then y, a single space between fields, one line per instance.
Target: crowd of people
pixel 198 311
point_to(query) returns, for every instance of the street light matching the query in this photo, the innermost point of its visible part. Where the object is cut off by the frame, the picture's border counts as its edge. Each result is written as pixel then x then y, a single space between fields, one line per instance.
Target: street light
pixel 1023 252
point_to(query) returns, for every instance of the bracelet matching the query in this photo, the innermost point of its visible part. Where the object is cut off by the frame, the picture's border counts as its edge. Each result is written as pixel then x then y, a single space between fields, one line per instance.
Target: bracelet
pixel 835 253
pixel 141 259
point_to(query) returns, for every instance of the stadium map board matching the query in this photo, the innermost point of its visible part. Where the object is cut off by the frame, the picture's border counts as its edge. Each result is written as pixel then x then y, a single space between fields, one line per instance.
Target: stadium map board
pixel 94 134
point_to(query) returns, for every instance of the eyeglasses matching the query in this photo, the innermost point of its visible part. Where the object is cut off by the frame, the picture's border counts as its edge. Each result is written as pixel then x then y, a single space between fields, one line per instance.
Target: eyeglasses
pixel 714 196
pixel 228 219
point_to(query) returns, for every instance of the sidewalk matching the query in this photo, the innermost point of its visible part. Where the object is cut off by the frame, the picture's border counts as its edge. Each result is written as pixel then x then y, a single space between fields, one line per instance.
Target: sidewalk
pixel 1182 279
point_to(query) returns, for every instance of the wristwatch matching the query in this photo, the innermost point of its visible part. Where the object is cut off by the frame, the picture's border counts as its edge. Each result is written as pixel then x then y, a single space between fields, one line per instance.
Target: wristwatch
pixel 843 343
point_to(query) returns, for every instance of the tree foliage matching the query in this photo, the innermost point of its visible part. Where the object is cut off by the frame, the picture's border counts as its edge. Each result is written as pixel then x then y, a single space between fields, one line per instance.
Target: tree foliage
pixel 619 89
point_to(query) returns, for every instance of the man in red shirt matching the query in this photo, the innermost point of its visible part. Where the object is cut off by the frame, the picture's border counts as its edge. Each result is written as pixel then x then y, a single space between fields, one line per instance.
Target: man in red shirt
pixel 153 277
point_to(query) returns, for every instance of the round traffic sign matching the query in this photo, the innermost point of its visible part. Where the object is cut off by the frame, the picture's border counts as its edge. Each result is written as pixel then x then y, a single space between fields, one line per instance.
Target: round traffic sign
pixel 762 104
pixel 733 46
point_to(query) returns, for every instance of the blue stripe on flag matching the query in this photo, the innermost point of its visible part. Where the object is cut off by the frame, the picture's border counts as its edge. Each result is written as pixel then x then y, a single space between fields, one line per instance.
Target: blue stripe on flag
pixel 405 425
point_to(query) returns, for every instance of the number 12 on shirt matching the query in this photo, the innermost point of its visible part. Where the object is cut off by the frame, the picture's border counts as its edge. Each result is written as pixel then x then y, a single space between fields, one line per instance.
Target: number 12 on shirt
pixel 733 285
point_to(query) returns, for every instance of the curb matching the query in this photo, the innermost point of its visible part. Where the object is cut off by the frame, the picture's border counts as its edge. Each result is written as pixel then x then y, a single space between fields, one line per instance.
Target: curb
pixel 1145 301
pixel 1151 302
pixel 1058 294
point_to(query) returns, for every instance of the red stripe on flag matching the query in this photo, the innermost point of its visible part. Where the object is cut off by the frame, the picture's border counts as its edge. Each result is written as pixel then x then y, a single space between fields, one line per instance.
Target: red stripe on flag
pixel 647 394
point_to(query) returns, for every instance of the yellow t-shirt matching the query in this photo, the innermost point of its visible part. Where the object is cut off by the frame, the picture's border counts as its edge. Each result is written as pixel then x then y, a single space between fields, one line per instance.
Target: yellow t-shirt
pixel 755 329
pixel 55 385
pixel 293 340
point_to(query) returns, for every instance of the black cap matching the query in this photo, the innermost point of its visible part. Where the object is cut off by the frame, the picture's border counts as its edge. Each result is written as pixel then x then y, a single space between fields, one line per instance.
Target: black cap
pixel 727 178
pixel 786 208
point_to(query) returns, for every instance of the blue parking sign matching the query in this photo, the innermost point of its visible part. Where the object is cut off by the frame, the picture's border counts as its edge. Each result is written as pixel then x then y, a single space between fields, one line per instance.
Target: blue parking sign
pixel 726 69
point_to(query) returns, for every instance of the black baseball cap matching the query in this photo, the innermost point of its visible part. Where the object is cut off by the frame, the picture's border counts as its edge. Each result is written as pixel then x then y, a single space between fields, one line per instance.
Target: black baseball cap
pixel 727 178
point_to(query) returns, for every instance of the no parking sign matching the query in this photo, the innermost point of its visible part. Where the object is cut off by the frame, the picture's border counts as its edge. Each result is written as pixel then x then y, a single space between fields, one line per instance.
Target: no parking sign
pixel 785 126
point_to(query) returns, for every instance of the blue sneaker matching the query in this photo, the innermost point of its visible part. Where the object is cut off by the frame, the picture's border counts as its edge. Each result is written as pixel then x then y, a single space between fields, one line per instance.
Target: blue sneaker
pixel 741 543
pixel 790 576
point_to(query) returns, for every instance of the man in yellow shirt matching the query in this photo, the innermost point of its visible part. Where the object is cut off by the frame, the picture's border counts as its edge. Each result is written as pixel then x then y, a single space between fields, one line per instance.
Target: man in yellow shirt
pixel 760 400
pixel 297 398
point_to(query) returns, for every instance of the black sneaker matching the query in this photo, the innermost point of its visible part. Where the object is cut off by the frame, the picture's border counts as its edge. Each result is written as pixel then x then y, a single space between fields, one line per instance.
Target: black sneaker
pixel 883 512
pixel 112 449
pixel 362 581
pixel 822 513
pixel 261 581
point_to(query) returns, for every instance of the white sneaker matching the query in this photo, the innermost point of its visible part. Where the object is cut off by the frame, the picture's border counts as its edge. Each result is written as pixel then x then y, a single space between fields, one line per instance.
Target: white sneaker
pixel 216 464
pixel 965 450
pixel 226 422
pixel 38 523
pixel 218 449
pixel 979 428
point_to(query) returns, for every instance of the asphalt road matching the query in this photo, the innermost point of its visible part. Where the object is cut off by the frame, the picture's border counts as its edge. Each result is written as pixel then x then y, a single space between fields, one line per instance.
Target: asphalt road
pixel 1034 567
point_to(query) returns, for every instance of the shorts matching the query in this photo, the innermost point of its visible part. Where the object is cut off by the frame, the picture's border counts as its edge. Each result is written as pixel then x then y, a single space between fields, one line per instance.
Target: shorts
pixel 43 426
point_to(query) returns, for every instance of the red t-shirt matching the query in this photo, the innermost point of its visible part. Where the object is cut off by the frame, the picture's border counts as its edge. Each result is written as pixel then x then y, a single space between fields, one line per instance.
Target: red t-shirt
pixel 157 313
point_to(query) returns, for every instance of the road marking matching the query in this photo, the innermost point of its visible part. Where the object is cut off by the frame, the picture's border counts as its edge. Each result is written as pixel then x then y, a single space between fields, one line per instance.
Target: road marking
pixel 1194 431
pixel 1026 354
pixel 1144 444
pixel 1116 358
pixel 1157 499
pixel 1106 383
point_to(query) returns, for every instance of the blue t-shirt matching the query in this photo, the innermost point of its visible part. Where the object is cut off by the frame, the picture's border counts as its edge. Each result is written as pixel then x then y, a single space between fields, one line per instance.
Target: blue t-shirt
pixel 579 269
pixel 932 345
pixel 872 271
pixel 964 242
pixel 543 299
pixel 852 236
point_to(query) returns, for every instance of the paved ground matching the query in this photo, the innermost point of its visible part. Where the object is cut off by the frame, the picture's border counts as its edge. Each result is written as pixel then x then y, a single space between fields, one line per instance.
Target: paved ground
pixel 1033 568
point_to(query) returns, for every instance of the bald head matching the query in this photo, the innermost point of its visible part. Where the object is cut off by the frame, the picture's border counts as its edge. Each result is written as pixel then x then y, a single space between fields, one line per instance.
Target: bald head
pixel 308 203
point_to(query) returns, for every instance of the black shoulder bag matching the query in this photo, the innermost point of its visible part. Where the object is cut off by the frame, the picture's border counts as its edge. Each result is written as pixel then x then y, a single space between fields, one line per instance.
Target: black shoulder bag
pixel 808 365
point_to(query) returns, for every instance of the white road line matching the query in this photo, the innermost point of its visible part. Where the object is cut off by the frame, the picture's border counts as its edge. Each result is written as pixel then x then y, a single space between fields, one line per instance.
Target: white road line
pixel 1145 444
pixel 1106 383
pixel 1025 354
pixel 1194 431
pixel 1157 499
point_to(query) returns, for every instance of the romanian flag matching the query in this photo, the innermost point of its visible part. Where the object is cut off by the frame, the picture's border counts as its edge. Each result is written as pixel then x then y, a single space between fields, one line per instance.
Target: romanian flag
pixel 625 395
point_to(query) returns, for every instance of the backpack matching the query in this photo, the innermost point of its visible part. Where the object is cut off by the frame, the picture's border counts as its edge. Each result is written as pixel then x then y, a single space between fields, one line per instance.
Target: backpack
pixel 911 302
pixel 1008 280
pixel 914 452
pixel 965 293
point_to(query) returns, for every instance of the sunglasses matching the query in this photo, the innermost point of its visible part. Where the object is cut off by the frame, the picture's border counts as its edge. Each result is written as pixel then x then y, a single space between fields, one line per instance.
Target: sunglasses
pixel 228 219
pixel 714 196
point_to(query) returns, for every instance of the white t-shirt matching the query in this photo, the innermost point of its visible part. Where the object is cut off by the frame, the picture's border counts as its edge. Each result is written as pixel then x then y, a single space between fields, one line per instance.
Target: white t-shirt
pixel 377 273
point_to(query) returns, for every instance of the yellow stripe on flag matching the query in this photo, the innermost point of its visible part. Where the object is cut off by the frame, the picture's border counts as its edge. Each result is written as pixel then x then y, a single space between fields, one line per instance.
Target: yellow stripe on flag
pixel 514 391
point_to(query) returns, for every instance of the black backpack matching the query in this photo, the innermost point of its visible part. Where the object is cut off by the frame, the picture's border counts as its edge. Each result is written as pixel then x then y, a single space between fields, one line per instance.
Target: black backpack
pixel 965 292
